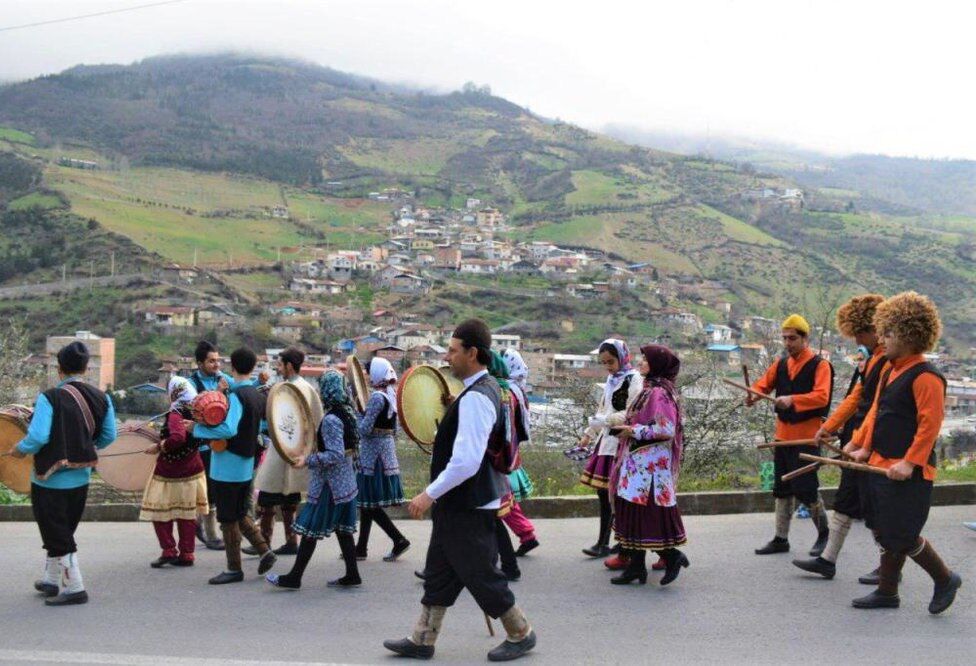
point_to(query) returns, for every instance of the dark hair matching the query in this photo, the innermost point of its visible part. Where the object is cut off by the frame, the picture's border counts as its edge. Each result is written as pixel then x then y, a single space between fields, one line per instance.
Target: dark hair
pixel 475 333
pixel 608 348
pixel 204 348
pixel 73 358
pixel 294 357
pixel 243 360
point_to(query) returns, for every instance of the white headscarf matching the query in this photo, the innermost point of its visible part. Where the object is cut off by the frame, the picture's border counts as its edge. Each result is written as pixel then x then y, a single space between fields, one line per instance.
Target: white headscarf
pixel 518 371
pixel 383 378
pixel 181 392
pixel 616 379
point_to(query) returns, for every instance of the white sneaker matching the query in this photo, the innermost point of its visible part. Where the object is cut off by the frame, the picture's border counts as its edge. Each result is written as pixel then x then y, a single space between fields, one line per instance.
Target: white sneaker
pixel 971 526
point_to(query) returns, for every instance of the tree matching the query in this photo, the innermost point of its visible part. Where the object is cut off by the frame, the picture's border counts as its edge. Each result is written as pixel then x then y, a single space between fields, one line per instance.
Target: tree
pixel 18 379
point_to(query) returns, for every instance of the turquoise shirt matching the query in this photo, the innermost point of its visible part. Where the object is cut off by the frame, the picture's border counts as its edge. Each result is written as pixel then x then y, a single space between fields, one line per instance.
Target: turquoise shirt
pixel 226 465
pixel 39 434
pixel 209 383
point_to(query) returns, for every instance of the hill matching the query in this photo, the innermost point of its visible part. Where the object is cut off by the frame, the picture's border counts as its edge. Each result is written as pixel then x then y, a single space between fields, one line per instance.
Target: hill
pixel 195 150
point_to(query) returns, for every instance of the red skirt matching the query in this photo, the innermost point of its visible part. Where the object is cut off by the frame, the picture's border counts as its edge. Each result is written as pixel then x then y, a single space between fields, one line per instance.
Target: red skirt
pixel 647 526
pixel 596 474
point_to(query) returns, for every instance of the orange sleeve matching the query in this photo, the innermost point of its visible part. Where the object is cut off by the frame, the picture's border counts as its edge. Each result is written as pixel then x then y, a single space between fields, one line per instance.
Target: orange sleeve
pixel 767 382
pixel 820 395
pixel 930 399
pixel 862 436
pixel 845 410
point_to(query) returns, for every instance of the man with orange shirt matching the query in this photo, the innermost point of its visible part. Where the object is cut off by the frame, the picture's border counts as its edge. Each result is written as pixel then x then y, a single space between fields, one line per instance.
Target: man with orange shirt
pixel 803 382
pixel 855 319
pixel 899 435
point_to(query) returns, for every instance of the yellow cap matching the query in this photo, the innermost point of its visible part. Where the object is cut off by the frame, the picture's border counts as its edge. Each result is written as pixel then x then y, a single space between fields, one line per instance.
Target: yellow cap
pixel 797 322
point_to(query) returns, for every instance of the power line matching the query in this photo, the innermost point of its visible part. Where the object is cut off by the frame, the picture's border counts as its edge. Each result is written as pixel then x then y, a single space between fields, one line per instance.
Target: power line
pixel 85 16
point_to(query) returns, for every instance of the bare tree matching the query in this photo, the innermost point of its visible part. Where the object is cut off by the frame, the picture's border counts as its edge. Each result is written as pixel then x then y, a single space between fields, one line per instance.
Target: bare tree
pixel 18 379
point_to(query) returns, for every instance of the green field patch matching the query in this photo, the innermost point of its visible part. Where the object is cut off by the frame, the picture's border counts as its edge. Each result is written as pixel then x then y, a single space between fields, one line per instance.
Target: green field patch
pixel 425 156
pixel 738 230
pixel 35 200
pixel 365 107
pixel 337 213
pixel 16 136
pixel 593 188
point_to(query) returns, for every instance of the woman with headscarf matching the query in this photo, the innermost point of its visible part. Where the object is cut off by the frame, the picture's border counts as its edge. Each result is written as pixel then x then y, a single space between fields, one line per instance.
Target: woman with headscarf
pixel 646 515
pixel 518 374
pixel 331 503
pixel 622 387
pixel 379 470
pixel 177 490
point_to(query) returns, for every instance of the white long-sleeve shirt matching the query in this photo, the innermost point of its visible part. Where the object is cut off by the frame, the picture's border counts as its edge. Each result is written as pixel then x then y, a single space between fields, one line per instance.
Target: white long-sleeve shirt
pixel 476 419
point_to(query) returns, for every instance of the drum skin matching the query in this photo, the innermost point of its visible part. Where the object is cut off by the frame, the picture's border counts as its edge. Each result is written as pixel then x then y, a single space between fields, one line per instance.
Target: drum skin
pixel 132 471
pixel 356 378
pixel 290 422
pixel 15 473
pixel 421 396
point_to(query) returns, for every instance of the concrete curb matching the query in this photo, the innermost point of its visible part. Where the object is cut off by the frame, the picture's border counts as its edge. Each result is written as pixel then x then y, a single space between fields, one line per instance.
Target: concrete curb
pixel 585 506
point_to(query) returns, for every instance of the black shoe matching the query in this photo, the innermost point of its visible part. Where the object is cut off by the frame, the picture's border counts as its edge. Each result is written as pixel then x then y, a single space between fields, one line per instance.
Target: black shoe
pixel 597 550
pixel 615 549
pixel 945 594
pixel 673 566
pixel 820 544
pixel 873 578
pixel 346 581
pixel 285 582
pixel 46 589
pixel 161 562
pixel 267 561
pixel 422 575
pixel 398 550
pixel 407 648
pixel 68 599
pixel 818 566
pixel 508 650
pixel 216 544
pixel 524 549
pixel 512 574
pixel 288 549
pixel 777 545
pixel 183 563
pixel 225 577
pixel 875 600
pixel 629 576
pixel 361 555
pixel 249 550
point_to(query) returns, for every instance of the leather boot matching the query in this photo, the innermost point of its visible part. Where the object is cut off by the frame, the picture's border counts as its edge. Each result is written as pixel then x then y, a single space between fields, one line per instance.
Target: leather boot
pixel 886 596
pixel 636 570
pixel 946 582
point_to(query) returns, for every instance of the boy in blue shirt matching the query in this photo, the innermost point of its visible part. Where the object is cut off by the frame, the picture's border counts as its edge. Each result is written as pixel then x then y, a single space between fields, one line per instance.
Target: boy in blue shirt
pixel 70 422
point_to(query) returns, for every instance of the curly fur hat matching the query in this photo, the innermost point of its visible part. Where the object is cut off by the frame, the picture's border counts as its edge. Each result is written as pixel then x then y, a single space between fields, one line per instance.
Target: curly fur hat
pixel 857 315
pixel 910 317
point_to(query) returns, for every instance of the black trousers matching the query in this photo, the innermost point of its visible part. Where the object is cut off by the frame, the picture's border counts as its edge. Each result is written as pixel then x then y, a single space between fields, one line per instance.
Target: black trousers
pixel 231 499
pixel 901 509
pixel 58 513
pixel 271 500
pixel 462 550
pixel 853 496
pixel 805 487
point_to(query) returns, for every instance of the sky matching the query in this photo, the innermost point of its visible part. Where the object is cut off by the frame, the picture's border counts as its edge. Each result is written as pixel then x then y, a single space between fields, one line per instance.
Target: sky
pixel 851 76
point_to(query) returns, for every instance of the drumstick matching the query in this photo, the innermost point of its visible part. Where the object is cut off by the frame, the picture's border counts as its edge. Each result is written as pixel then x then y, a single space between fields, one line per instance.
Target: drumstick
pixel 745 374
pixel 860 467
pixel 491 629
pixel 749 390
pixel 800 472
pixel 112 455
pixel 787 442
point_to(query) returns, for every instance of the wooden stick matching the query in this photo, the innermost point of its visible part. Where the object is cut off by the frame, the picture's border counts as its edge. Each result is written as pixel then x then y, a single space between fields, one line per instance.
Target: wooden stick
pixel 491 629
pixel 749 390
pixel 745 374
pixel 860 467
pixel 800 472
pixel 787 442
pixel 836 449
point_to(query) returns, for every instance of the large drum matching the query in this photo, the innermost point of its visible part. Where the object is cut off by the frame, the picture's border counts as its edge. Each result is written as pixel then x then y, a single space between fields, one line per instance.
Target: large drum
pixel 356 378
pixel 15 473
pixel 122 464
pixel 210 408
pixel 422 394
pixel 454 385
pixel 290 422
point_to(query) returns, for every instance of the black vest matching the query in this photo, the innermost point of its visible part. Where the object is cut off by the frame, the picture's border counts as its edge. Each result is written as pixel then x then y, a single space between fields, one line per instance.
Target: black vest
pixel 184 451
pixel 618 399
pixel 486 485
pixel 69 440
pixel 897 419
pixel 383 420
pixel 869 384
pixel 804 382
pixel 350 433
pixel 254 403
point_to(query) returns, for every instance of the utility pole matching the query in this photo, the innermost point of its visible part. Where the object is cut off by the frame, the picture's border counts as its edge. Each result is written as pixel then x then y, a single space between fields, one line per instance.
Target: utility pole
pixel 113 264
pixel 64 273
pixel 194 257
pixel 91 276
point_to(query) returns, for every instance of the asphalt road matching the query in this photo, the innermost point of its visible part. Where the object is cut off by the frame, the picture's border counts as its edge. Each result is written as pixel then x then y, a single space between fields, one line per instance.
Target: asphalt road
pixel 729 607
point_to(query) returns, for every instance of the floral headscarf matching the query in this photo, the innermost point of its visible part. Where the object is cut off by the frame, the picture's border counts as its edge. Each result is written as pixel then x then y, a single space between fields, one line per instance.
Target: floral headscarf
pixel 181 393
pixel 383 378
pixel 335 399
pixel 518 371
pixel 615 379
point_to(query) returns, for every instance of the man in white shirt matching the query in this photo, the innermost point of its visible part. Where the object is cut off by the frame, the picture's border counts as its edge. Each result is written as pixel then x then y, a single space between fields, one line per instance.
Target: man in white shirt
pixel 465 492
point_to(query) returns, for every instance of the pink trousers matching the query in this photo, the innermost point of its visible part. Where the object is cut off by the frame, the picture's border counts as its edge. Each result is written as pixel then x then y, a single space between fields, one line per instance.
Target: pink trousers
pixel 519 524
